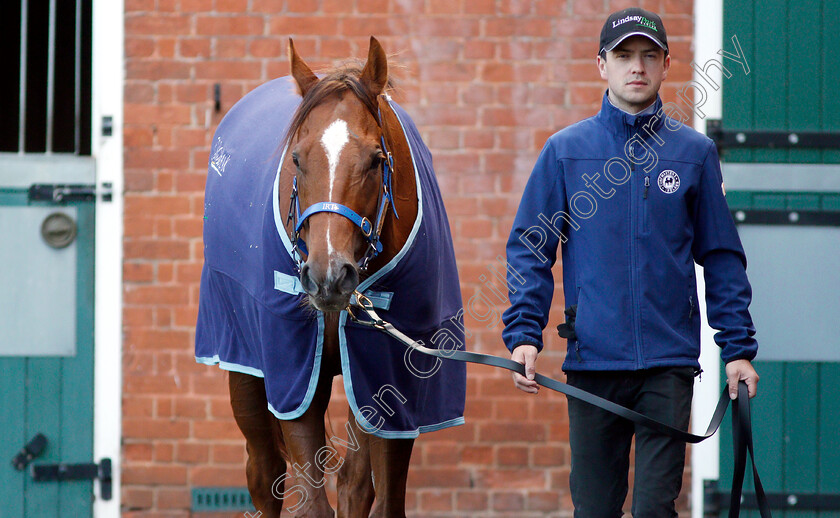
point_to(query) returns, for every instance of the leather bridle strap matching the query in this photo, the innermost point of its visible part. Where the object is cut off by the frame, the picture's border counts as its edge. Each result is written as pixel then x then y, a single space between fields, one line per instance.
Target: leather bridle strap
pixel 741 426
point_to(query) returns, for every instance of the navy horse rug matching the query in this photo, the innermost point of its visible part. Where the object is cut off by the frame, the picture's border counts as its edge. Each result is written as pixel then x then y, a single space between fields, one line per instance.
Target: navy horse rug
pixel 253 316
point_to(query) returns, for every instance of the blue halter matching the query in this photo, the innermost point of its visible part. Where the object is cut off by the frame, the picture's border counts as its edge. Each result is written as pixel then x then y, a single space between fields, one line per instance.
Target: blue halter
pixel 371 231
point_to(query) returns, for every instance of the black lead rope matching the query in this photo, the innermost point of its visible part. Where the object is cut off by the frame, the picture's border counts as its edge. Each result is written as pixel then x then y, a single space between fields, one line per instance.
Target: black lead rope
pixel 742 440
pixel 741 425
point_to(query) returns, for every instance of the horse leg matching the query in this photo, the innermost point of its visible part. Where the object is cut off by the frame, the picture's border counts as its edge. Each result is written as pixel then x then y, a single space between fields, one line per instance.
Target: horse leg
pixel 355 486
pixel 263 442
pixel 305 437
pixel 389 459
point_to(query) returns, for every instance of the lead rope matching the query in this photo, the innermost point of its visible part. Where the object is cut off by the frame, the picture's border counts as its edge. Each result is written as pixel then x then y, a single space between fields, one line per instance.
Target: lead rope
pixel 741 424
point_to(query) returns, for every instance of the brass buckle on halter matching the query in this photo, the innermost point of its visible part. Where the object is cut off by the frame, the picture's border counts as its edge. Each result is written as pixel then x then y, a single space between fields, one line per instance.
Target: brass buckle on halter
pixel 390 158
pixel 369 226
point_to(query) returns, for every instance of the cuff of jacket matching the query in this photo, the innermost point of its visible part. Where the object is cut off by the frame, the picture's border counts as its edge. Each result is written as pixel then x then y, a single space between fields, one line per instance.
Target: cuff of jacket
pixel 732 352
pixel 514 343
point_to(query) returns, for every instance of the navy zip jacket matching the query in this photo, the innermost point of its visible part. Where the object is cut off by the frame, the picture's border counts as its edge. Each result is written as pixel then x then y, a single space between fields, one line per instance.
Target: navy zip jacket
pixel 635 201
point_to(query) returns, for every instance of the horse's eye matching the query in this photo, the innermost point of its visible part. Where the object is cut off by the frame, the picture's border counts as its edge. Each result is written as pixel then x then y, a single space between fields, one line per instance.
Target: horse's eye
pixel 295 160
pixel 377 160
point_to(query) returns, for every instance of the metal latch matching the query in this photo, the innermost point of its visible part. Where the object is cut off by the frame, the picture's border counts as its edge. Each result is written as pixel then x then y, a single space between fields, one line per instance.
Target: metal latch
pixel 32 449
pixel 58 193
pixel 58 472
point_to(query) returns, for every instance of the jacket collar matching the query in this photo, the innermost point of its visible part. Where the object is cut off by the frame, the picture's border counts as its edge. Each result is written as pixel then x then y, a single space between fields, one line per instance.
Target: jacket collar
pixel 620 122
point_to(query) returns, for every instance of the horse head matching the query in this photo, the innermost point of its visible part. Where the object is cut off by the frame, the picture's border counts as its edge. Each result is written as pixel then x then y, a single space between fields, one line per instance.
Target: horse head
pixel 336 148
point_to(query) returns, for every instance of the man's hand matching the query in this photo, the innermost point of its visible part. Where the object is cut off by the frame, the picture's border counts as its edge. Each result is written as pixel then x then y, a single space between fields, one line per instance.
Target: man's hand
pixel 741 370
pixel 527 355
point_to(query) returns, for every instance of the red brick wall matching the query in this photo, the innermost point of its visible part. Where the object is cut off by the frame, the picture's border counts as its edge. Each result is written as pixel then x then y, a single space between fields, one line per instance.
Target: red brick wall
pixel 487 81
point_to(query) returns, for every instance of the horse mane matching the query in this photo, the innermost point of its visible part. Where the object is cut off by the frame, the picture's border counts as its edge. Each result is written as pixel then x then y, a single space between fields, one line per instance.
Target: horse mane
pixel 342 78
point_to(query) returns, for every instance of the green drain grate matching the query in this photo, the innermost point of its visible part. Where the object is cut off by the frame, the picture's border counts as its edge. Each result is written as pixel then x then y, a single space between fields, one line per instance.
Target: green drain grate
pixel 221 499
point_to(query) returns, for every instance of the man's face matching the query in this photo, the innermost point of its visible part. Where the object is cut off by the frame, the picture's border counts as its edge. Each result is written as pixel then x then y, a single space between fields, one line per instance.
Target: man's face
pixel 634 69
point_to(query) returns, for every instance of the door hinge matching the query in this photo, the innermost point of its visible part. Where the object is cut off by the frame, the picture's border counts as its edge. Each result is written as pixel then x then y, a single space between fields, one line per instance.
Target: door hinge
pixel 59 472
pixel 59 193
pixel 716 501
pixel 728 138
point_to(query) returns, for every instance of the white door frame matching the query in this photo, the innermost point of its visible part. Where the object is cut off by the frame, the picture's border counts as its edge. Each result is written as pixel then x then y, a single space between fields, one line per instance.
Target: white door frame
pixel 107 100
pixel 705 457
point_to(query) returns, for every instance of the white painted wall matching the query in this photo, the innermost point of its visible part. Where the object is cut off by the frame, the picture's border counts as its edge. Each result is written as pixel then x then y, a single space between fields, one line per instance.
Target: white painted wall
pixel 708 40
pixel 108 78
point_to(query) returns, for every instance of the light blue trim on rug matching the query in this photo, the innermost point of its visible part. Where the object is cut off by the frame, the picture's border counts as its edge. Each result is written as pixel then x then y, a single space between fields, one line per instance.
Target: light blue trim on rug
pixel 313 379
pixel 423 429
pixel 348 382
pixel 228 366
pixel 278 219
pixel 458 421
pixel 364 424
pixel 287 283
pixel 291 285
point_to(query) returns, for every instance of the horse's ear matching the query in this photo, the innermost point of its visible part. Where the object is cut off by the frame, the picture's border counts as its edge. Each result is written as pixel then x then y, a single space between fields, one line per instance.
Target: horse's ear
pixel 303 75
pixel 375 74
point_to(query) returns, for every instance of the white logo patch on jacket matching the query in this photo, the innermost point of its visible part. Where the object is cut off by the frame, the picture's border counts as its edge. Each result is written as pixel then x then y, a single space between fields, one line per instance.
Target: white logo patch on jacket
pixel 668 182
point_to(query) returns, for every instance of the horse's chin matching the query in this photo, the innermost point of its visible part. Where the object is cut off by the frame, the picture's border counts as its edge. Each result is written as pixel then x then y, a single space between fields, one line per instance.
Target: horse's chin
pixel 332 305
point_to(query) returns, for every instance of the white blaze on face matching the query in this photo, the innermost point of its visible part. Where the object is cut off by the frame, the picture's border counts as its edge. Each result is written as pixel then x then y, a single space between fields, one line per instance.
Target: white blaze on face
pixel 334 138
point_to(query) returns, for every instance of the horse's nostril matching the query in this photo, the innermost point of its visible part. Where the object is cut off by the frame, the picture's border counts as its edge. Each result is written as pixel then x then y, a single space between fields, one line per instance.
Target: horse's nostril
pixel 347 280
pixel 309 286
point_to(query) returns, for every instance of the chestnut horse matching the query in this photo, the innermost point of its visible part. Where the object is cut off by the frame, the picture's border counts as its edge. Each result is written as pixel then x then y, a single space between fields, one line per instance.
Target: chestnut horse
pixel 347 162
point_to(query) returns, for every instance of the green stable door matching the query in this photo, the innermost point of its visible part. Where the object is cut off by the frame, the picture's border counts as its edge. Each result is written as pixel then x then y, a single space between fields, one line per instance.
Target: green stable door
pixel 47 208
pixel 46 342
pixel 782 176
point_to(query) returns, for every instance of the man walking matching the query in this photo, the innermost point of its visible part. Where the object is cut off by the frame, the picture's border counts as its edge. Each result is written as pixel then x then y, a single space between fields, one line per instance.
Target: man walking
pixel 636 198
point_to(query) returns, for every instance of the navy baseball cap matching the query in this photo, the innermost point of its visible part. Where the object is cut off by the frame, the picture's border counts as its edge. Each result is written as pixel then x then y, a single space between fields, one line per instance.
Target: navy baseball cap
pixel 633 21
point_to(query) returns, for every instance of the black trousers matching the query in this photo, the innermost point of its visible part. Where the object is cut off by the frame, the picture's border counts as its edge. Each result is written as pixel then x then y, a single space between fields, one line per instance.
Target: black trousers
pixel 600 442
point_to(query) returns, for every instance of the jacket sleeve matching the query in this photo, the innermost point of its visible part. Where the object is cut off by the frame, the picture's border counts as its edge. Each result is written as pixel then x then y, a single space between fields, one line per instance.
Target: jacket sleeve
pixel 531 252
pixel 718 249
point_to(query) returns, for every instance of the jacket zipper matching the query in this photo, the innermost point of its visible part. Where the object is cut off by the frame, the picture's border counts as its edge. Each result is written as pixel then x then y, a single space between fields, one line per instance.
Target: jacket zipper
pixel 577 340
pixel 645 205
pixel 691 306
pixel 634 291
